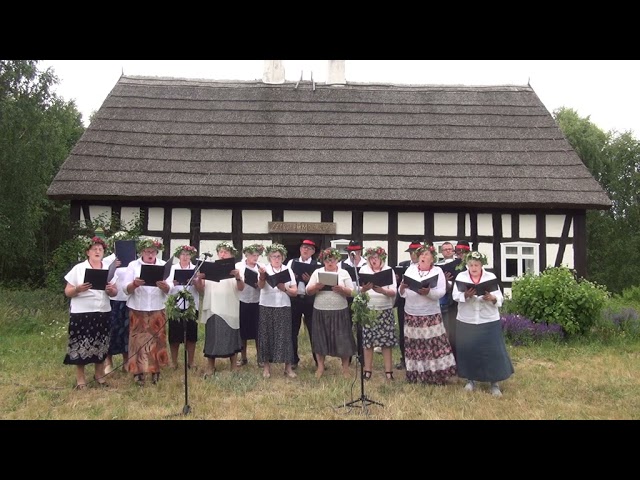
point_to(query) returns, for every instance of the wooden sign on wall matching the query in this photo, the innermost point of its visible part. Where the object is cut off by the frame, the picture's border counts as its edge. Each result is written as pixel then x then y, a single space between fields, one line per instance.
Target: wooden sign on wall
pixel 303 227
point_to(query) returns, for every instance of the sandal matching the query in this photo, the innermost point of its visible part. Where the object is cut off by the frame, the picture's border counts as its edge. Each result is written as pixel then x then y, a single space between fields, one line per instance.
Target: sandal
pixel 241 362
pixel 366 375
pixel 102 383
pixel 389 375
pixel 155 378
pixel 209 374
pixel 139 379
pixel 80 386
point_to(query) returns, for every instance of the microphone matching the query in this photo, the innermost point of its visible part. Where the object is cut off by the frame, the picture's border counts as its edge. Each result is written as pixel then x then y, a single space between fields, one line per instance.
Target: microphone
pixel 207 255
pixel 352 254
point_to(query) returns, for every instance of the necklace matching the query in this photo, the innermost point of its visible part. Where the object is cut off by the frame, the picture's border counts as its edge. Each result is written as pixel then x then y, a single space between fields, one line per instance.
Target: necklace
pixel 423 273
pixel 474 280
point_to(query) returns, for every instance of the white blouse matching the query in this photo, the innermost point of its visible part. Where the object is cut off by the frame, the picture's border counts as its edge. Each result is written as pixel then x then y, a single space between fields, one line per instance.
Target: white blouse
pixel 145 298
pixel 90 300
pixel 420 305
pixel 328 299
pixel 380 301
pixel 273 296
pixel 476 310
pixel 177 288
pixel 248 294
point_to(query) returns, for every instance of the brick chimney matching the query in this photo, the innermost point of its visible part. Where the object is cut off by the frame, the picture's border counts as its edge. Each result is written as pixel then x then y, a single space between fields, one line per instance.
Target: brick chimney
pixel 335 73
pixel 273 72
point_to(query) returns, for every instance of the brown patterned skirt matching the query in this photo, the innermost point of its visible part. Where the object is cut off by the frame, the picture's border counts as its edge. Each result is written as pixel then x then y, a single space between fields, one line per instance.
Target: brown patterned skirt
pixel 147 341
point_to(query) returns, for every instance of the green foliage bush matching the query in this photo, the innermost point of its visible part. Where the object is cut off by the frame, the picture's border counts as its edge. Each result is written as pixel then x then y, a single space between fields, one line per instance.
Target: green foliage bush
pixel 557 296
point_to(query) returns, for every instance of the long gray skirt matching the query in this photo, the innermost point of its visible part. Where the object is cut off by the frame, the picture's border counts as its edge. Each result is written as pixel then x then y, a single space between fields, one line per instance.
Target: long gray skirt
pixel 333 333
pixel 275 344
pixel 482 353
pixel 220 340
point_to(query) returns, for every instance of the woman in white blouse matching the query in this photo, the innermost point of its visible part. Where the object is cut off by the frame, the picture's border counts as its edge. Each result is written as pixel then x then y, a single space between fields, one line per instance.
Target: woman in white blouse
pixel 332 326
pixel 274 325
pixel 381 299
pixel 428 354
pixel 89 316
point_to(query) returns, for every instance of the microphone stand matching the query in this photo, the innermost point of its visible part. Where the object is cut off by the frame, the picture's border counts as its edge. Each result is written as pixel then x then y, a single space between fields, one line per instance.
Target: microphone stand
pixel 187 409
pixel 363 399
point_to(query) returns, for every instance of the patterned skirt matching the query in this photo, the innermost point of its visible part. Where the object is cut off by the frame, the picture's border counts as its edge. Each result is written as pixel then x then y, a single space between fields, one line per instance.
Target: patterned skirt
pixel 249 313
pixel 333 333
pixel 220 340
pixel 482 352
pixel 427 352
pixel 88 338
pixel 119 342
pixel 275 344
pixel 147 341
pixel 383 333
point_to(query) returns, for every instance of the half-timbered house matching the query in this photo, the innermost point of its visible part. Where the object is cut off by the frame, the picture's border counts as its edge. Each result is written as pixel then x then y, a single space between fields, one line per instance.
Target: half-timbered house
pixel 272 160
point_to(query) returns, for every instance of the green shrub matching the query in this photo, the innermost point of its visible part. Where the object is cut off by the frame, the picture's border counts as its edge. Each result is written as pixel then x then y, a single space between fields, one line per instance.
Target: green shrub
pixel 556 296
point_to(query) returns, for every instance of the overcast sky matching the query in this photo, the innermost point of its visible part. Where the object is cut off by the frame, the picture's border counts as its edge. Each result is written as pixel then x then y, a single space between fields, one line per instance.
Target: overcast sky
pixel 608 91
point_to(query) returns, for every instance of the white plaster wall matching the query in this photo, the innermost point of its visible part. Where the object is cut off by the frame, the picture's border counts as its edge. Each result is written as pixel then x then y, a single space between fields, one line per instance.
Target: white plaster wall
pixel 301 216
pixel 467 225
pixel 554 224
pixel 552 252
pixel 410 223
pixel 156 218
pixel 487 249
pixel 485 224
pixel 343 222
pixel 129 214
pixel 375 222
pixel 96 210
pixel 445 224
pixel 527 226
pixel 506 226
pixel 256 221
pixel 181 220
pixel 212 220
pixel 402 255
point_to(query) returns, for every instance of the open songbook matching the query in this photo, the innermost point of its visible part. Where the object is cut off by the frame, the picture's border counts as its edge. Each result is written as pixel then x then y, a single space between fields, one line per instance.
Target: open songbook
pixel 183 276
pixel 481 288
pixel 415 285
pixel 300 267
pixel 125 251
pixel 328 279
pixel 218 270
pixel 151 274
pixel 379 279
pixel 250 278
pixel 281 277
pixel 96 277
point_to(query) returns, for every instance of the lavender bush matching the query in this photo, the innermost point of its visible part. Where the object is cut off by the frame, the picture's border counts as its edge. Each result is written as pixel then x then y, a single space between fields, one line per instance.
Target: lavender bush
pixel 519 330
pixel 616 323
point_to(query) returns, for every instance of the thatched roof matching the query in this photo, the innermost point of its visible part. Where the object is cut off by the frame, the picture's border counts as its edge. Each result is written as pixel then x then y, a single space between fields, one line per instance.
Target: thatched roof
pixel 186 140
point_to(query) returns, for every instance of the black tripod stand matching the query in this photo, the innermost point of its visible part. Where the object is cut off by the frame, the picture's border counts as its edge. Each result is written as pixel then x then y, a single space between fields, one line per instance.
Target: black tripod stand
pixel 362 402
pixel 187 409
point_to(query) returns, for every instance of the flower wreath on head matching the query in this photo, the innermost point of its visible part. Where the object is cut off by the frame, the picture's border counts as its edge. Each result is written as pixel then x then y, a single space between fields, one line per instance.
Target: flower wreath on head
pixel 475 255
pixel 329 253
pixel 427 247
pixel 379 251
pixel 150 243
pixel 227 246
pixel 254 248
pixel 91 241
pixel 186 248
pixel 276 247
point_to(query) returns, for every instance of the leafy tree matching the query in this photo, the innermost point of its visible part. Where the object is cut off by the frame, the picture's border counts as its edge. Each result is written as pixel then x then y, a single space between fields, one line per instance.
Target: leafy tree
pixel 37 132
pixel 613 236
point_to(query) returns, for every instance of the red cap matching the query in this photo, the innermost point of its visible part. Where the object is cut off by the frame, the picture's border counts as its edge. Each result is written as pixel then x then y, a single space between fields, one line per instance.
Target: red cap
pixel 414 246
pixel 353 246
pixel 310 243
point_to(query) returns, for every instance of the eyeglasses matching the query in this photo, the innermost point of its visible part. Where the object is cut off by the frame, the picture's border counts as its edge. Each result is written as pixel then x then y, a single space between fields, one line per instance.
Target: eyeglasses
pixel 447 249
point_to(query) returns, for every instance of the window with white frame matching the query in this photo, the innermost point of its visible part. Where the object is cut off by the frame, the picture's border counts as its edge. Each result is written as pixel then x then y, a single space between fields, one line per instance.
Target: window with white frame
pixel 438 246
pixel 519 258
pixel 341 245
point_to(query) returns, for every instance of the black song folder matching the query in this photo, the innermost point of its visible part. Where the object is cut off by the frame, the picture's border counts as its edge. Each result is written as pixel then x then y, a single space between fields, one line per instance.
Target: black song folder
pixel 281 277
pixel 125 251
pixel 300 267
pixel 481 288
pixel 182 276
pixel 250 278
pixel 96 277
pixel 416 285
pixel 379 279
pixel 151 274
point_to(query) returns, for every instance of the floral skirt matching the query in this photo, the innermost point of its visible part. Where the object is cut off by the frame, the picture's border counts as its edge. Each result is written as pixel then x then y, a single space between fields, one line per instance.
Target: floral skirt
pixel 147 341
pixel 88 338
pixel 383 333
pixel 275 344
pixel 427 351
